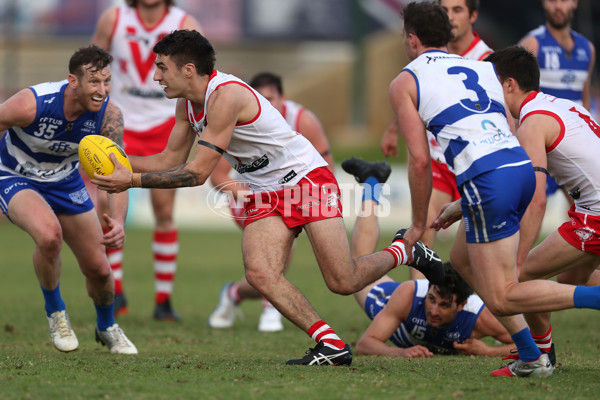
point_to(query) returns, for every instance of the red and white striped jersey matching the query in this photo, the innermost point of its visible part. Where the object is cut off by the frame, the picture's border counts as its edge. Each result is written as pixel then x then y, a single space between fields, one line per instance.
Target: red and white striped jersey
pixel 134 90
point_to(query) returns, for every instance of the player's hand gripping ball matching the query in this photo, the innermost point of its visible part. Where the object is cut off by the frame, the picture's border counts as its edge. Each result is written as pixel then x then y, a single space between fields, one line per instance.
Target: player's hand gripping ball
pixel 94 155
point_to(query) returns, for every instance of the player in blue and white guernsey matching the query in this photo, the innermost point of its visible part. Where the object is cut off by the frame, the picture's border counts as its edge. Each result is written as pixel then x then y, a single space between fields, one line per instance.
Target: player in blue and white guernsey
pixel 292 188
pixel 563 139
pixel 41 190
pixel 566 59
pixel 422 319
pixel 465 42
pixel 461 102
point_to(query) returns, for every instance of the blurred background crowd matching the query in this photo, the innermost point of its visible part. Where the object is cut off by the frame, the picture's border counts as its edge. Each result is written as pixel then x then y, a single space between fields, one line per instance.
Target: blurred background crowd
pixel 337 57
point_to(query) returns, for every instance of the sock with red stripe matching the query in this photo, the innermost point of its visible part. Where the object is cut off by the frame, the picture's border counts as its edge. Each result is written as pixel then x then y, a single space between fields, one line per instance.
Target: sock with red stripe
pixel 115 259
pixel 320 331
pixel 165 248
pixel 544 342
pixel 398 250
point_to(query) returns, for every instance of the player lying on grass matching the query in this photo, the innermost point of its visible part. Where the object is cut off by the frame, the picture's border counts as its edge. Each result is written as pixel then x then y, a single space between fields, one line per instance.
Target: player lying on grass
pixel 422 319
pixel 419 318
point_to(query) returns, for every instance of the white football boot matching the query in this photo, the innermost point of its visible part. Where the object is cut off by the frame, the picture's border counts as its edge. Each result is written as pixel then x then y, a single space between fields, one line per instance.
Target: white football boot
pixel 226 311
pixel 114 338
pixel 270 320
pixel 61 333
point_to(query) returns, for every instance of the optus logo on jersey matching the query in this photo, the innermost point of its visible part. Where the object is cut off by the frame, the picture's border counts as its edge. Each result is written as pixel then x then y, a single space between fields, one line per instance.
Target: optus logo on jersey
pixel 14 185
pixel 306 200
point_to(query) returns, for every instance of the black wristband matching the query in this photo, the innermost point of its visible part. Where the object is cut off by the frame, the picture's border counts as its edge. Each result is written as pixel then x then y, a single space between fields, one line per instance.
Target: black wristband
pixel 541 169
pixel 211 146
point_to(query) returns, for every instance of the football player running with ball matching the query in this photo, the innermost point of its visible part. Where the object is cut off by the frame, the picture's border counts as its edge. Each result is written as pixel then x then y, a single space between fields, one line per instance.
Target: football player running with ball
pixel 292 188
pixel 41 190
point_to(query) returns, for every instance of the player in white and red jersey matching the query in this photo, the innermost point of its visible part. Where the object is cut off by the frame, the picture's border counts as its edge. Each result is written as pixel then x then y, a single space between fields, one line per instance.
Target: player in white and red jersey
pixel 562 139
pixel 466 43
pixel 302 121
pixel 129 32
pixel 292 188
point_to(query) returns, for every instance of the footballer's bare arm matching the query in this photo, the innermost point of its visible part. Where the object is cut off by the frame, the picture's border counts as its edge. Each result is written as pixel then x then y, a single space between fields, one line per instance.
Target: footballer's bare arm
pixel 113 126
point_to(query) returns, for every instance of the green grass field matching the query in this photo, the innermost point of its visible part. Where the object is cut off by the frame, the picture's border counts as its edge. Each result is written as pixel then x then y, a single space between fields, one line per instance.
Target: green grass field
pixel 187 360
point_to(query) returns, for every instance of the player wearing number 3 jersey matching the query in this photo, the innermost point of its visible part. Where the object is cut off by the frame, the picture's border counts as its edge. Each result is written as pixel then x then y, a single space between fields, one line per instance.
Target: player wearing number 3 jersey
pixel 465 110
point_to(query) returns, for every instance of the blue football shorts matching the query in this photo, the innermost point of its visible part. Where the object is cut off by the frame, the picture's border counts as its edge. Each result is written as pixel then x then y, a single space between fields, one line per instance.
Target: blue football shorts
pixel 378 297
pixel 494 202
pixel 67 196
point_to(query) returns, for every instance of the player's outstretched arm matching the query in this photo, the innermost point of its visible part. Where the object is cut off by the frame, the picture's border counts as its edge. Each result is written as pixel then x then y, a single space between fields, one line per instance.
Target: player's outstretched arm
pixel 18 110
pixel 535 134
pixel 118 203
pixel 403 97
pixel 177 151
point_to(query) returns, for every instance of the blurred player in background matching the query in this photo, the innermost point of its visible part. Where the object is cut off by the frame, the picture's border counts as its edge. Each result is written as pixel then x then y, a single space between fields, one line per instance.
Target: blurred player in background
pixel 466 43
pixel 42 192
pixel 129 32
pixel 566 59
pixel 302 121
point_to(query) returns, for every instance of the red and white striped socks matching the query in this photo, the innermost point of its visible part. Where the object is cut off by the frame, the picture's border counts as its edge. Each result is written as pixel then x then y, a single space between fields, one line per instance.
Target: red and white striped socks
pixel 320 331
pixel 115 259
pixel 165 247
pixel 544 342
pixel 398 250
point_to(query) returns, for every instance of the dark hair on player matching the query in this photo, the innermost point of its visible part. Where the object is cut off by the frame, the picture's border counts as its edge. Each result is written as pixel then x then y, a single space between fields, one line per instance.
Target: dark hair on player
pixel 133 3
pixel 94 55
pixel 453 285
pixel 263 79
pixel 188 46
pixel 518 63
pixel 472 5
pixel 429 22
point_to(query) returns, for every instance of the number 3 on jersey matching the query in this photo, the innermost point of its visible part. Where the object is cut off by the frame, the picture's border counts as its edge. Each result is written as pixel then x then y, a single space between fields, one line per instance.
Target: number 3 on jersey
pixel 471 82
